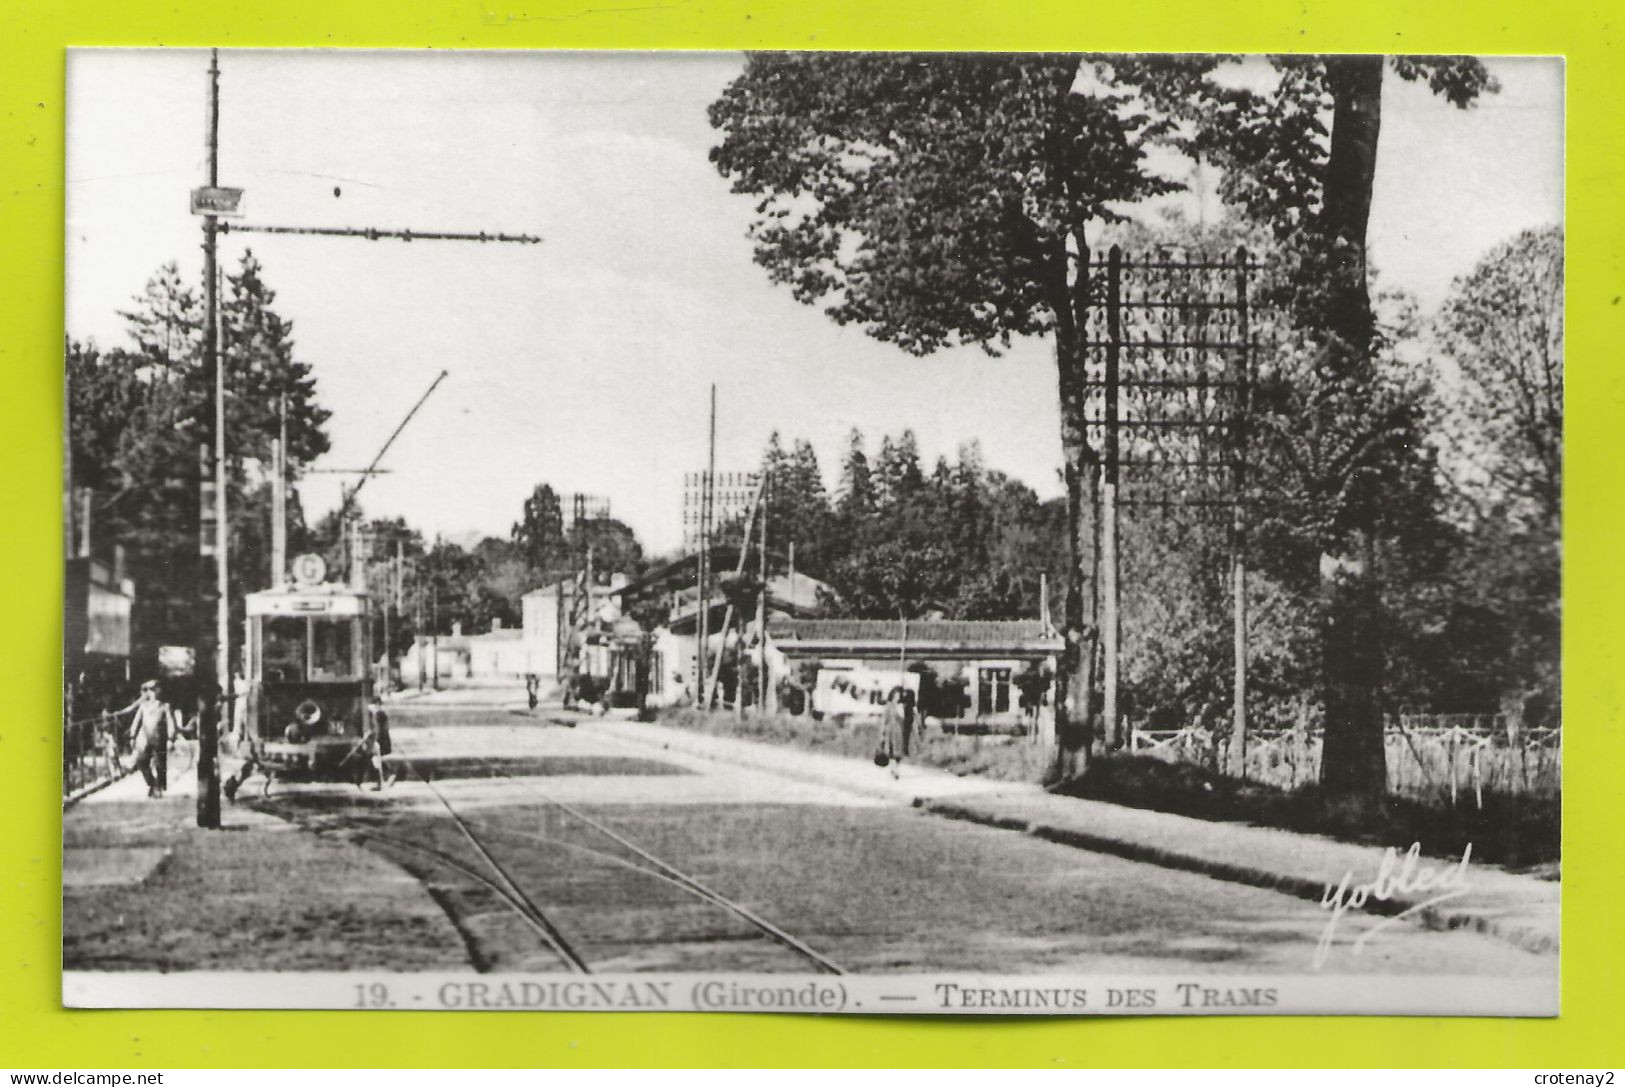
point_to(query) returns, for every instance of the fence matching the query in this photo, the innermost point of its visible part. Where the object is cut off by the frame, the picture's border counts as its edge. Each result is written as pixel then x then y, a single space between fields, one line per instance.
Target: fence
pixel 1459 757
pixel 91 755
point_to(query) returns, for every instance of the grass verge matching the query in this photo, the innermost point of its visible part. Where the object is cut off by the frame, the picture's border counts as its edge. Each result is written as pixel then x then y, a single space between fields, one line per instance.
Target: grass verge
pixel 1520 832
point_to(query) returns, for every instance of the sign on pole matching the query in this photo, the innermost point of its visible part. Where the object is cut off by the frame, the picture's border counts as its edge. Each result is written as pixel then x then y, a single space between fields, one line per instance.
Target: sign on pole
pixel 216 200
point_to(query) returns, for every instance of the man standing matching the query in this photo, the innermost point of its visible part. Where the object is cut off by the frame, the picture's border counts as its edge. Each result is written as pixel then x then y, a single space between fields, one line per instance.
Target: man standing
pixel 149 735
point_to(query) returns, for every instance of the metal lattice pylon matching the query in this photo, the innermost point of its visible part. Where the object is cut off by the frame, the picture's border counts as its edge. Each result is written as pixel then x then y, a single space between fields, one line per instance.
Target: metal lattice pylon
pixel 1168 359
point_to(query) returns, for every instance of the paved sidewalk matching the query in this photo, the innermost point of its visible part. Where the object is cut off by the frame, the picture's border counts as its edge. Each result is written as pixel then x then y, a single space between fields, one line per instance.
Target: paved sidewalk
pixel 1518 909
pixel 144 888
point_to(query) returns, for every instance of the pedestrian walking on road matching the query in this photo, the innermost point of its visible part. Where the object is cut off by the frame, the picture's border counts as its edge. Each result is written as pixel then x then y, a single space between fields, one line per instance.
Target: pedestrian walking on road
pixel 896 729
pixel 149 735
pixel 378 740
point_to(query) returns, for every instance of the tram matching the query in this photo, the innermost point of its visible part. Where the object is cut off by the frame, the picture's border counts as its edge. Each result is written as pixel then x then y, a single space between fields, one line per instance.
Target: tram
pixel 308 679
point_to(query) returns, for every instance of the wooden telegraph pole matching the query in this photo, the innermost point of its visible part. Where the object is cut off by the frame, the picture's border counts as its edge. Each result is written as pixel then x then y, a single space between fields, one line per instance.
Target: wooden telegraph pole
pixel 762 686
pixel 703 629
pixel 1110 627
pixel 1238 520
pixel 212 665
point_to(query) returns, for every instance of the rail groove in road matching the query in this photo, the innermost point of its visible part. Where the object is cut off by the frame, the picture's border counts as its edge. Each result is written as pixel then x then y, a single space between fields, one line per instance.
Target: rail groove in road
pixel 500 880
pixel 672 875
pixel 522 902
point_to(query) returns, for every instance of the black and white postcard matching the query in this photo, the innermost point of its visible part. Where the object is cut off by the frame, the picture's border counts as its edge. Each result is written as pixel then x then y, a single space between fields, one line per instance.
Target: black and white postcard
pixel 813 532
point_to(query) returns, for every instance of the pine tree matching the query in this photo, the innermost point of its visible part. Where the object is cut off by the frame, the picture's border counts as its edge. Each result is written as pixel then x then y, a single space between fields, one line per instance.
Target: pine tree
pixel 262 374
pixel 897 469
pixel 857 495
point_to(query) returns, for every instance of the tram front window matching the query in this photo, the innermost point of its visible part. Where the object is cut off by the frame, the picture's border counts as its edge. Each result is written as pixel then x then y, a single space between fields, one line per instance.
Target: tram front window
pixel 332 650
pixel 284 649
pixel 309 650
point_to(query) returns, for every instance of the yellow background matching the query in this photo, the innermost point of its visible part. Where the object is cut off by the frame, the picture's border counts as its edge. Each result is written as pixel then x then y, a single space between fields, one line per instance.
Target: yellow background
pixel 35 1032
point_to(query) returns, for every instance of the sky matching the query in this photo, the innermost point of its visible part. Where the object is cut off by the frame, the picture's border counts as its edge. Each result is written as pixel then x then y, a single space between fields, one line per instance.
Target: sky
pixel 585 362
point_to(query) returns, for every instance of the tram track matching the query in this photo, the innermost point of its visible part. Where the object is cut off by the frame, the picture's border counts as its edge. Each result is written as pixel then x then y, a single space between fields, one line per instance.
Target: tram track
pixel 492 868
pixel 668 873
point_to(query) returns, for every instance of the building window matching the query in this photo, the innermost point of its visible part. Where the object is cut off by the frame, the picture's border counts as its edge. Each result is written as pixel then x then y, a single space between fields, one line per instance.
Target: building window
pixel 993 691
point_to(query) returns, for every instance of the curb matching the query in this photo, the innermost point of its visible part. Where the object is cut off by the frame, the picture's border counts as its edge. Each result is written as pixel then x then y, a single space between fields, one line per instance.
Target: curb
pixel 1441 920
pixel 1429 917
pixel 805 776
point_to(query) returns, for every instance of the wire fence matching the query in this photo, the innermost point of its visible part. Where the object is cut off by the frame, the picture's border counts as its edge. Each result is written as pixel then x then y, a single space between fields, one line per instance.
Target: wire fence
pixel 1455 757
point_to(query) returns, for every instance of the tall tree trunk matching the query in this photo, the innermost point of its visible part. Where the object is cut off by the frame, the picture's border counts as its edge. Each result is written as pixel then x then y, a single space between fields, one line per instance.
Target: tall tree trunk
pixel 1353 766
pixel 1075 724
pixel 1351 171
pixel 1354 771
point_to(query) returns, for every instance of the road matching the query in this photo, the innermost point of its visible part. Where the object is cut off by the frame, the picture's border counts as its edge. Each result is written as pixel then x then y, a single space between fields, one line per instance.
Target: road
pixel 870 884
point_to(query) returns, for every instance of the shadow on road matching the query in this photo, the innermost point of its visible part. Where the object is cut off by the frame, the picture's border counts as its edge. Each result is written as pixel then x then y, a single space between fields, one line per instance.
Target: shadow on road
pixel 446 768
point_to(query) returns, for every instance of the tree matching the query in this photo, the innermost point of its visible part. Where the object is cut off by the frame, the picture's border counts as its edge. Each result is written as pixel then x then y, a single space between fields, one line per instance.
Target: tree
pixel 946 200
pixel 897 470
pixel 166 325
pixel 1302 159
pixel 857 494
pixel 262 374
pixel 539 533
pixel 1502 416
pixel 615 548
pixel 136 422
pixel 798 509
pixel 131 443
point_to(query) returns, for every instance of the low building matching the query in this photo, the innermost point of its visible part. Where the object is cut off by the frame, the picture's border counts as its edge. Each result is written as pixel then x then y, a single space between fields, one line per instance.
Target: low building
pixel 667 602
pixel 498 654
pixel 549 613
pixel 984 675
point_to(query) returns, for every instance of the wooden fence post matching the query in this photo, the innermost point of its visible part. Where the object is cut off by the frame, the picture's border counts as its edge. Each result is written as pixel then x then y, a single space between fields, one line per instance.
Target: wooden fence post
pixel 1451 750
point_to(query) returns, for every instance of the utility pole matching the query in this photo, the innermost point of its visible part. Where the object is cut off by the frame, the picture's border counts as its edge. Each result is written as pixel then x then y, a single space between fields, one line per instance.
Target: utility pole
pixel 389 603
pixel 1238 523
pixel 762 685
pixel 434 627
pixel 212 662
pixel 1109 625
pixel 704 618
pixel 418 638
pixel 279 496
pixel 392 601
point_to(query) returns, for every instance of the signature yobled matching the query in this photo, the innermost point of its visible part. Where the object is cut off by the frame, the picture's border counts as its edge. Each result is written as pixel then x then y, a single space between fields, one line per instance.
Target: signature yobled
pixel 1401 879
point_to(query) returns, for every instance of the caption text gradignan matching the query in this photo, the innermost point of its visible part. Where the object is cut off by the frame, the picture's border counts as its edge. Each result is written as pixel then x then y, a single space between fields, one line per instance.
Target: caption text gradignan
pixel 831 996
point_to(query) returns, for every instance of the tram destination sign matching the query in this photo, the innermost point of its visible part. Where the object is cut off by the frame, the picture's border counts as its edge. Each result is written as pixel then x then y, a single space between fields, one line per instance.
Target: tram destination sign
pixel 216 200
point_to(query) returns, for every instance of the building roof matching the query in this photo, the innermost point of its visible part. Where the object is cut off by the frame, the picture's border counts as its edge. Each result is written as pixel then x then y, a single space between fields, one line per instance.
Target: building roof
pixel 925 639
pixel 959 631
